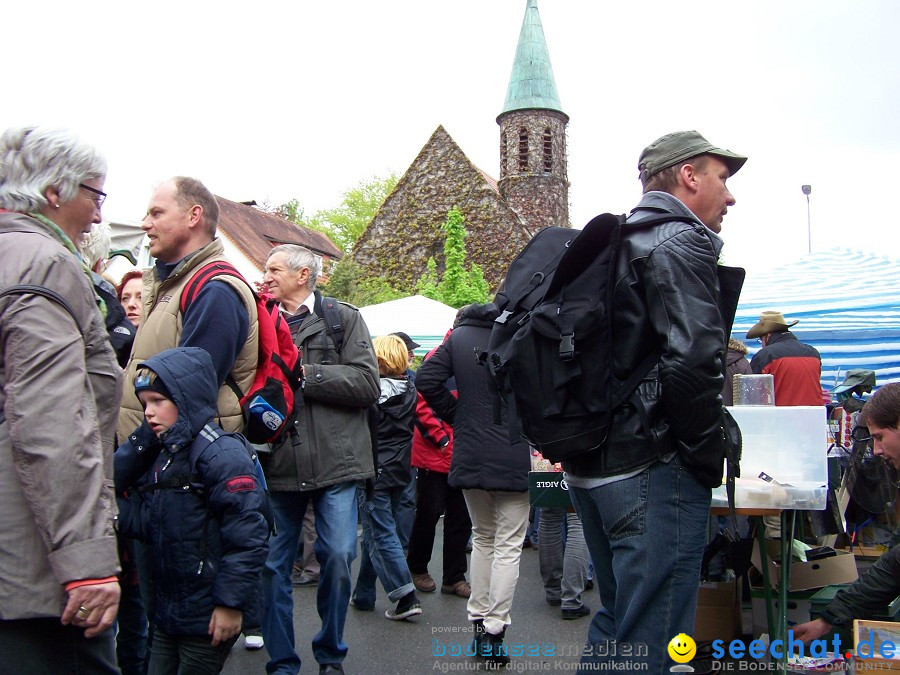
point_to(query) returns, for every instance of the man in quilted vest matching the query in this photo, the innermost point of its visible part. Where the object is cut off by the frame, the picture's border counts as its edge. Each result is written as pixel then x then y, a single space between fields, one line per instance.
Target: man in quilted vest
pixel 181 226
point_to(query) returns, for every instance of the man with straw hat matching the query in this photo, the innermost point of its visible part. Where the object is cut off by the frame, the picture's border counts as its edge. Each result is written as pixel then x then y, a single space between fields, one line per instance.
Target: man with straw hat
pixel 796 367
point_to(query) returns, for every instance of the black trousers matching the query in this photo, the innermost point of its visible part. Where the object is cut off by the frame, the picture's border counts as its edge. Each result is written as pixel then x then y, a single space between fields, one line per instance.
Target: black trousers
pixel 42 646
pixel 434 498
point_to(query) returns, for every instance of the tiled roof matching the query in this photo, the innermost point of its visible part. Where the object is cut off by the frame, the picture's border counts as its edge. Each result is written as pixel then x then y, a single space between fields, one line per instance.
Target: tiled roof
pixel 255 232
pixel 490 180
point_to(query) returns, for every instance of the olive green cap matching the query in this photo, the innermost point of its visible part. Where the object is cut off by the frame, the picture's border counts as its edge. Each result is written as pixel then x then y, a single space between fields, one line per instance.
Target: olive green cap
pixel 680 146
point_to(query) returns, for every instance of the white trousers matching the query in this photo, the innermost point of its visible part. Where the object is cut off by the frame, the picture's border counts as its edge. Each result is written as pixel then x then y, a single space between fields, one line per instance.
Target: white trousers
pixel 498 531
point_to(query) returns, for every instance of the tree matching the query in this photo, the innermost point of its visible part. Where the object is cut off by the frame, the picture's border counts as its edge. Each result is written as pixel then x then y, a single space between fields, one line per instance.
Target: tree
pixel 358 205
pixel 293 212
pixel 458 286
pixel 346 283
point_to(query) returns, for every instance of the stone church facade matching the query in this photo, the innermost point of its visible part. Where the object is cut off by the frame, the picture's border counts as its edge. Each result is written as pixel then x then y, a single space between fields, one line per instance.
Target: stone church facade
pixel 499 217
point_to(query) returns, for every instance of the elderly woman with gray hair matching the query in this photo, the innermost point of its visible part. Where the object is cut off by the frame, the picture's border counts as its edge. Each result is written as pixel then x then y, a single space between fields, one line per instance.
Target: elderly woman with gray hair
pixel 60 389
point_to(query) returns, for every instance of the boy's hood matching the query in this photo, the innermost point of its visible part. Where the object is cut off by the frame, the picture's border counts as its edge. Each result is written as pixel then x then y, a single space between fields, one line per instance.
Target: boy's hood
pixel 189 376
pixel 397 398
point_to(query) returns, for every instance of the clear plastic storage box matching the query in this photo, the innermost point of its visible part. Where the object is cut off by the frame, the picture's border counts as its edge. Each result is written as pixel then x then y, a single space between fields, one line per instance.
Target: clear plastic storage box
pixel 788 445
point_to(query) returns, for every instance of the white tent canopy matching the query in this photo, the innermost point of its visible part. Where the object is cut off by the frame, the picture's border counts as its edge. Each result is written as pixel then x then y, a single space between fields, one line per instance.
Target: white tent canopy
pixel 847 304
pixel 425 320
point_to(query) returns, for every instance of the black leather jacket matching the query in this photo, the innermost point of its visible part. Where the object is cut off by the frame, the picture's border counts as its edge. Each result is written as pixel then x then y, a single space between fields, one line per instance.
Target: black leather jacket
pixel 673 299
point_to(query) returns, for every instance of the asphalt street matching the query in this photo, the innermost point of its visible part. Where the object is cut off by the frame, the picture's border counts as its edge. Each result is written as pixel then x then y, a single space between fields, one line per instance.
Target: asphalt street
pixel 436 641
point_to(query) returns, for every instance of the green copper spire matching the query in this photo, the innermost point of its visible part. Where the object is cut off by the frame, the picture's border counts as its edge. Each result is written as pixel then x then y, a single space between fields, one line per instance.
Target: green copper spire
pixel 531 84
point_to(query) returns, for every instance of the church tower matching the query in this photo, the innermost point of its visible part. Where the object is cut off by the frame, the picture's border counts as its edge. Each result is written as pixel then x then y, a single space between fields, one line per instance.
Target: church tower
pixel 533 176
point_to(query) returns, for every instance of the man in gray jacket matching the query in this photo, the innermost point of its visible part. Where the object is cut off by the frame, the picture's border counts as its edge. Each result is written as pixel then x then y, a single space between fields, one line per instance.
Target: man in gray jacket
pixel 328 450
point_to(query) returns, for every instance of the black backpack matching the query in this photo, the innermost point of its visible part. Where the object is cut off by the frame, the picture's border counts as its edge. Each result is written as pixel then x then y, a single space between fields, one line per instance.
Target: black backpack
pixel 550 350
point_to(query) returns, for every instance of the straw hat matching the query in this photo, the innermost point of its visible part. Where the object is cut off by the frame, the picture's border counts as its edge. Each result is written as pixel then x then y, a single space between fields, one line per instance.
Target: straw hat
pixel 770 322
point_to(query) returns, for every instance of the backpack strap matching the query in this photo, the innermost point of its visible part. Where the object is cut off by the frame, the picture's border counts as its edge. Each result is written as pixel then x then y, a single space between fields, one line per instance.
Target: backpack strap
pixel 50 294
pixel 191 483
pixel 205 274
pixel 333 325
pixel 187 483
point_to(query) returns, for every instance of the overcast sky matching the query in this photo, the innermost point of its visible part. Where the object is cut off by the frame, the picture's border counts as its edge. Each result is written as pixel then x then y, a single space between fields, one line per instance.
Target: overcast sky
pixel 278 100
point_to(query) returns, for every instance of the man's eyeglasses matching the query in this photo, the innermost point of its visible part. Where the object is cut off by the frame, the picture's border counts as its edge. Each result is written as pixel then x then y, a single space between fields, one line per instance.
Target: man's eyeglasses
pixel 101 195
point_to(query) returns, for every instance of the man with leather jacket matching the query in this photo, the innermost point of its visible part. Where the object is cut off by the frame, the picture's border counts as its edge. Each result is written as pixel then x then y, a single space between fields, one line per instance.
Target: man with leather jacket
pixel 644 496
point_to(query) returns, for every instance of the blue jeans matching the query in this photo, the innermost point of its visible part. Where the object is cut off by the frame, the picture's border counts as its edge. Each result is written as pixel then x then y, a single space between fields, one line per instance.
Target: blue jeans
pixel 382 554
pixel 563 563
pixel 406 510
pixel 335 548
pixel 646 535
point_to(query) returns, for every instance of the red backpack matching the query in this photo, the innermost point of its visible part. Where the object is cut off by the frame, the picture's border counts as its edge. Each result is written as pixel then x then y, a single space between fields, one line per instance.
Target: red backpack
pixel 269 402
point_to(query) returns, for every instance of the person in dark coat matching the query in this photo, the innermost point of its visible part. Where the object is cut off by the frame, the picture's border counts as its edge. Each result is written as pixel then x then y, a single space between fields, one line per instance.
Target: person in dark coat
pixel 379 498
pixel 431 455
pixel 880 584
pixel 736 363
pixel 491 470
pixel 209 539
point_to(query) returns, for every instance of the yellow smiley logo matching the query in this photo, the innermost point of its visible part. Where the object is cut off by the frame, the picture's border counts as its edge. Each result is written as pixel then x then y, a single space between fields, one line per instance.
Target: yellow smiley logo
pixel 682 648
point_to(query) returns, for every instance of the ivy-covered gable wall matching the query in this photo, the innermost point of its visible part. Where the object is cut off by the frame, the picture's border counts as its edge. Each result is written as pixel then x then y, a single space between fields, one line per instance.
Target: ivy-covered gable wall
pixel 406 231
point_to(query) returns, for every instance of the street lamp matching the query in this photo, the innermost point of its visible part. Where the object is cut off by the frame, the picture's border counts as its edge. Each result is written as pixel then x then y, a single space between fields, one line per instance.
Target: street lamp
pixel 806 190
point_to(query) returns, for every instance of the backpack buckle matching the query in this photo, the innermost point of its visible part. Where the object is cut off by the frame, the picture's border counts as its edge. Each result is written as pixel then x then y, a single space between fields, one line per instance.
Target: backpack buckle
pixel 567 346
pixel 503 317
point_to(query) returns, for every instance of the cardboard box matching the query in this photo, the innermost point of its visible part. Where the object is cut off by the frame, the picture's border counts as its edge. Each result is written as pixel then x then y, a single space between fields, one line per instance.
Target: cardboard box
pixel 869 641
pixel 718 611
pixel 548 488
pixel 798 606
pixel 840 569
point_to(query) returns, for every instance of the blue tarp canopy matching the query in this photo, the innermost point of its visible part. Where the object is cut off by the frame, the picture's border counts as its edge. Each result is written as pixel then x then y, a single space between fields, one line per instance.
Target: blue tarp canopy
pixel 848 305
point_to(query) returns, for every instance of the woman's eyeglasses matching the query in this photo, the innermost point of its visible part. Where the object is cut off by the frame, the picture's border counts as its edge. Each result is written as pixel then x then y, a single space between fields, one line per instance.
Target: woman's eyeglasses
pixel 101 195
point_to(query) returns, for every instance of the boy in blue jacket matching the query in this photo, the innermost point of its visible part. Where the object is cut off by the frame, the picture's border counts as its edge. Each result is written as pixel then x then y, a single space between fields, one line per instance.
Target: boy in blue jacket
pixel 192 493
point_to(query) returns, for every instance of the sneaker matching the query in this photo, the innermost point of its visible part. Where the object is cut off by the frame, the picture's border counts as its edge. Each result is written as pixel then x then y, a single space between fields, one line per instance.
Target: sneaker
pixel 460 588
pixel 575 612
pixel 399 614
pixel 424 583
pixel 553 601
pixel 253 642
pixel 303 580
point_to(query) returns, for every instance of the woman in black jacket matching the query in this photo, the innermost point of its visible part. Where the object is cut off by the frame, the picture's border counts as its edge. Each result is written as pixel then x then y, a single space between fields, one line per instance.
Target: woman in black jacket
pixel 379 498
pixel 491 470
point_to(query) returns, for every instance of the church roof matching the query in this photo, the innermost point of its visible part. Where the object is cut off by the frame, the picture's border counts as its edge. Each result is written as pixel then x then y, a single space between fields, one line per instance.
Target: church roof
pixel 531 85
